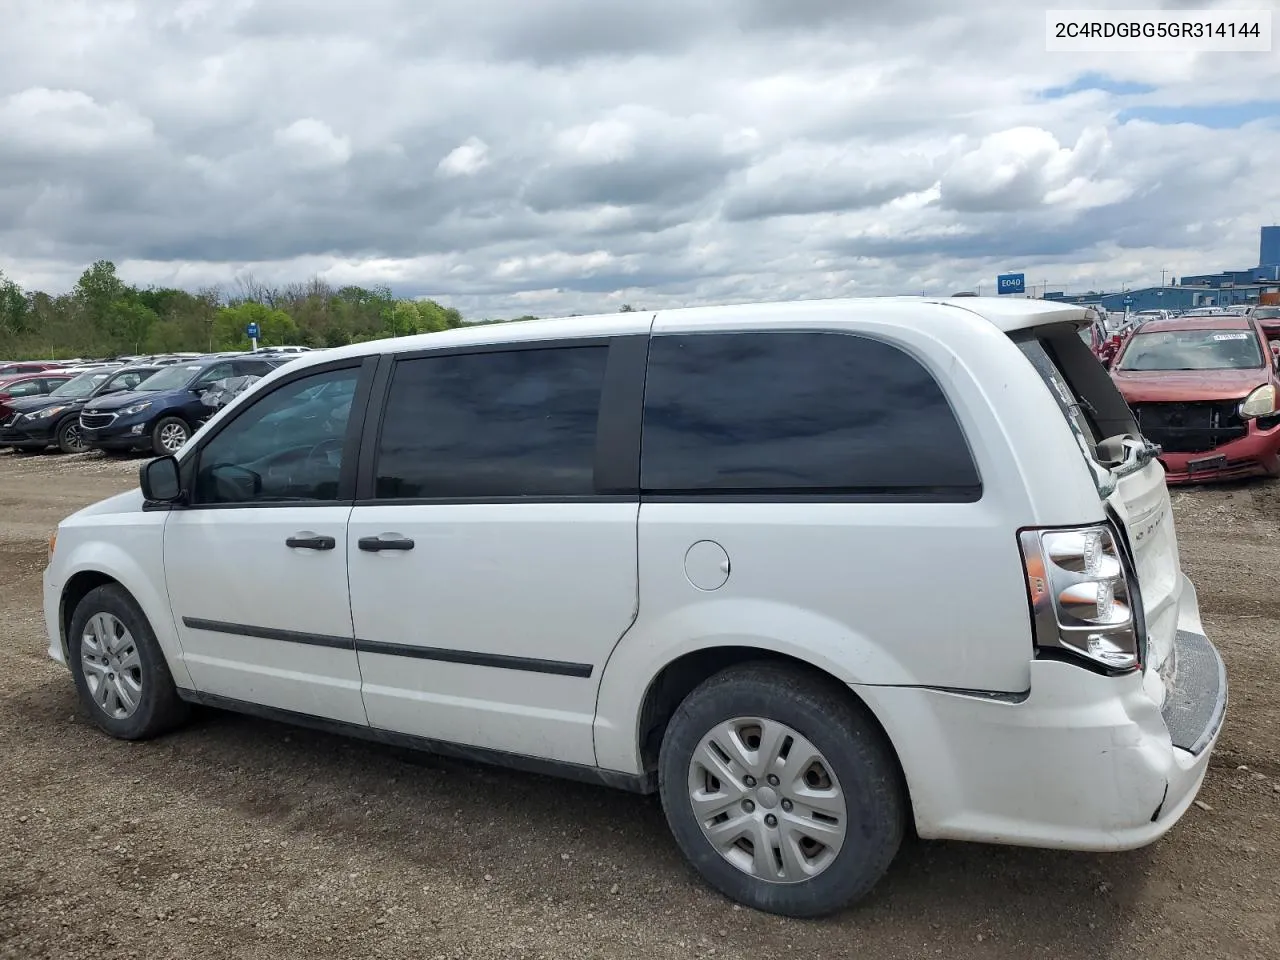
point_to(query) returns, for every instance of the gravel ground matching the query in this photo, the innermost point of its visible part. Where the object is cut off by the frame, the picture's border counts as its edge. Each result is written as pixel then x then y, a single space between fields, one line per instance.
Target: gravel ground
pixel 242 838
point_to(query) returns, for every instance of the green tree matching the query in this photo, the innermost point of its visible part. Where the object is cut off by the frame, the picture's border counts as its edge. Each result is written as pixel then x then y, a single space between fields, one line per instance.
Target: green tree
pixel 97 289
pixel 130 323
pixel 275 327
pixel 102 316
pixel 15 311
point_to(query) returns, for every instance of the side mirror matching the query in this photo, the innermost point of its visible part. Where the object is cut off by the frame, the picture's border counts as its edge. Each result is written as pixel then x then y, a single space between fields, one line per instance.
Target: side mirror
pixel 160 480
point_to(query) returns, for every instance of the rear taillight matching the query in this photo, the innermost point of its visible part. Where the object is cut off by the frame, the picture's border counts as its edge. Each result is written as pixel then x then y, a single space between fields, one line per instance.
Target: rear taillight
pixel 1081 597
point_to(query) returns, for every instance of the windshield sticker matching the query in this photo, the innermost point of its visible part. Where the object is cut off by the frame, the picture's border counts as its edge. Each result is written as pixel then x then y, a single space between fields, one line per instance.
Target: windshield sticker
pixel 1231 336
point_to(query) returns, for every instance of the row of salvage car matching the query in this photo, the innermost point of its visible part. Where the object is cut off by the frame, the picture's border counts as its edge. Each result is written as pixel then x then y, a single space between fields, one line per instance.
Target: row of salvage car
pixel 1204 387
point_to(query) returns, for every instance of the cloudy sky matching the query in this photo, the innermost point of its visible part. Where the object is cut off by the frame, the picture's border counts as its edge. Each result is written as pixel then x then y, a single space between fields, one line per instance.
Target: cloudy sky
pixel 555 156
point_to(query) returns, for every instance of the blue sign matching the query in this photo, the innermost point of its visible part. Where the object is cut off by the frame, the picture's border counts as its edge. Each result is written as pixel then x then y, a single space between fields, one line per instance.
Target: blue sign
pixel 252 331
pixel 1011 283
pixel 1128 301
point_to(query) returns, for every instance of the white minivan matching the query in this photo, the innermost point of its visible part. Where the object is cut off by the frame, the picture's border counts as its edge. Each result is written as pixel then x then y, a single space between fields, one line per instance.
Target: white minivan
pixel 816 573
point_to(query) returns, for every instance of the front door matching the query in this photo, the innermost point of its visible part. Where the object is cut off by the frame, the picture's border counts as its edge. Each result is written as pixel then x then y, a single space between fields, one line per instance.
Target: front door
pixel 493 562
pixel 256 565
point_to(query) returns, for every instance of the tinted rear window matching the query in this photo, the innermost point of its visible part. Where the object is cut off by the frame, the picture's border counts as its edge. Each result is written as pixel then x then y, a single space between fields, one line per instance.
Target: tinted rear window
pixel 1089 400
pixel 798 413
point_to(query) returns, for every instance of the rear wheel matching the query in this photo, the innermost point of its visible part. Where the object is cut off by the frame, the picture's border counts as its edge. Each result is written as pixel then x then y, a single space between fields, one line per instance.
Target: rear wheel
pixel 119 669
pixel 168 436
pixel 68 436
pixel 779 789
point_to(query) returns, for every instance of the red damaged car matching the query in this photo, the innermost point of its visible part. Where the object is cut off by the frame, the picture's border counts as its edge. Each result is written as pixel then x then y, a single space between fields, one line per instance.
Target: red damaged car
pixel 1205 389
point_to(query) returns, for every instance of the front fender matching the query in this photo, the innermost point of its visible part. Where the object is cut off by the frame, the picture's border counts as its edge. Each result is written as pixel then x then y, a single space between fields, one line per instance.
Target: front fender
pixel 145 585
pixel 771 627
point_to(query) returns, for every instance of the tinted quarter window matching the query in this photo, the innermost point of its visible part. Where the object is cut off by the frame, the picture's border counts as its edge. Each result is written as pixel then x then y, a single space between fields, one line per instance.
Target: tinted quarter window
pixel 797 412
pixel 519 423
pixel 285 446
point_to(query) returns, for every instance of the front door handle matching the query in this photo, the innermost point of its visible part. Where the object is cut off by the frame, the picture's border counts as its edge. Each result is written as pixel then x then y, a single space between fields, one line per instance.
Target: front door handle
pixel 311 543
pixel 375 544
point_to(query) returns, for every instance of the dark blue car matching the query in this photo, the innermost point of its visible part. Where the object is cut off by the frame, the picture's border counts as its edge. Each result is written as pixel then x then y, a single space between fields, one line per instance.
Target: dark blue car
pixel 163 411
pixel 38 422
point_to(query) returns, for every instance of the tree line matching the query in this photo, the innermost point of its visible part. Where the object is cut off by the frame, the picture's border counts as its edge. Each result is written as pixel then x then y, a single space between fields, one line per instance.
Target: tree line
pixel 102 316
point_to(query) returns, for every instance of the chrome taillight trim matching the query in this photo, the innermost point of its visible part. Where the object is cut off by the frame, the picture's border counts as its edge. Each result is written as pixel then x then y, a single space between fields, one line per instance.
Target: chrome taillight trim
pixel 1056 585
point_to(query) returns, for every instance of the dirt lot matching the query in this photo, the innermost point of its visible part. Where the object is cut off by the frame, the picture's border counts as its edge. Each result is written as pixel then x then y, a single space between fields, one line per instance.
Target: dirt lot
pixel 241 838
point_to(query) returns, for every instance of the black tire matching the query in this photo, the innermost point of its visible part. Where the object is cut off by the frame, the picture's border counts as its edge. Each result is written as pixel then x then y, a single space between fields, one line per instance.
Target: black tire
pixel 163 425
pixel 68 436
pixel 856 750
pixel 159 708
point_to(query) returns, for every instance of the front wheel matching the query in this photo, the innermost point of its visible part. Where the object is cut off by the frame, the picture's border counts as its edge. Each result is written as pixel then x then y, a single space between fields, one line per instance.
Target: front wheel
pixel 781 792
pixel 69 438
pixel 119 669
pixel 168 436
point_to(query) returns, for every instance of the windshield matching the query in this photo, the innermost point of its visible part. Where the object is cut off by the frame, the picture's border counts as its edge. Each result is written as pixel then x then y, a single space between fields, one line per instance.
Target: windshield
pixel 1267 313
pixel 170 378
pixel 1192 350
pixel 82 385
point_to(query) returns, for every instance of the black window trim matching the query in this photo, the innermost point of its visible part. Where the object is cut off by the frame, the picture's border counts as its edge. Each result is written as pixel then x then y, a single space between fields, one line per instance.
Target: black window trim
pixel 366 365
pixel 617 454
pixel 959 493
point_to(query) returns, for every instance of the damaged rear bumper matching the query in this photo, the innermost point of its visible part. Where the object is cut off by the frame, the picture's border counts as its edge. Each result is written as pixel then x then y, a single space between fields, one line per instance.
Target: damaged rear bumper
pixel 1081 762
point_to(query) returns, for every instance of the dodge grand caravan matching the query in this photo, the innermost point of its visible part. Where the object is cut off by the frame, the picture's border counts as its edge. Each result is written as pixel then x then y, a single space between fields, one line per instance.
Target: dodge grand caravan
pixel 812 572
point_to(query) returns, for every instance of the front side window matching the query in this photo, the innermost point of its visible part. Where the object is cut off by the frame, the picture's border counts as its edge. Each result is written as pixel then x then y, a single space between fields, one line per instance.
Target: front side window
pixel 126 380
pixel 286 446
pixel 254 368
pixel 805 413
pixel 518 423
pixel 1192 350
pixel 219 371
pixel 173 377
pixel 80 386
pixel 25 388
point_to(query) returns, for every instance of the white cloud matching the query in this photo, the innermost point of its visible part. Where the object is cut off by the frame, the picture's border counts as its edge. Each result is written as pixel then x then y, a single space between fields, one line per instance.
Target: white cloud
pixel 604 141
pixel 40 122
pixel 1022 168
pixel 466 159
pixel 569 154
pixel 312 143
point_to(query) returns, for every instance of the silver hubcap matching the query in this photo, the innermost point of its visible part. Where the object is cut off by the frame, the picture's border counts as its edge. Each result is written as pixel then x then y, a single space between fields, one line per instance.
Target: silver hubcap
pixel 112 667
pixel 172 437
pixel 767 800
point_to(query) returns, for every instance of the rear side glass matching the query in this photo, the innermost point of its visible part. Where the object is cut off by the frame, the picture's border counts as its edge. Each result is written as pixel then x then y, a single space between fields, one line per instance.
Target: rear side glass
pixel 518 423
pixel 798 413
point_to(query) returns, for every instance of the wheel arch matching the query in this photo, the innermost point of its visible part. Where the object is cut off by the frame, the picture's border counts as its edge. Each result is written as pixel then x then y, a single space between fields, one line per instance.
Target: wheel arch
pixel 98 564
pixel 74 590
pixel 681 676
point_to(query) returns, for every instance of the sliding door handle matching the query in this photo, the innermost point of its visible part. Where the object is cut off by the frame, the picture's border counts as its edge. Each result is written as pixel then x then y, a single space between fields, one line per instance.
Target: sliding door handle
pixel 311 543
pixel 376 544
